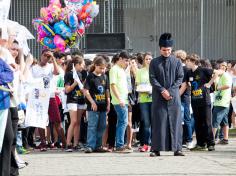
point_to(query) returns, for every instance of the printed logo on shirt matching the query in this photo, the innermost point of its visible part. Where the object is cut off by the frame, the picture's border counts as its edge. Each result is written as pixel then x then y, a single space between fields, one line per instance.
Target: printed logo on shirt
pixel 100 97
pixel 103 82
pixel 46 82
pixel 196 91
pixel 100 89
pixel 79 93
pixel 197 77
pixel 38 94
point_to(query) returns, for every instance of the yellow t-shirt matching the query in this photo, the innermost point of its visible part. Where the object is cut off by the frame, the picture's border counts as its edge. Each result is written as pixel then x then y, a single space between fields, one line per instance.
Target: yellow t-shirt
pixel 118 77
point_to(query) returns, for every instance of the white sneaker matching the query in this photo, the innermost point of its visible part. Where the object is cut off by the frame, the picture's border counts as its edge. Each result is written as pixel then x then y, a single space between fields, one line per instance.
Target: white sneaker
pixel 189 145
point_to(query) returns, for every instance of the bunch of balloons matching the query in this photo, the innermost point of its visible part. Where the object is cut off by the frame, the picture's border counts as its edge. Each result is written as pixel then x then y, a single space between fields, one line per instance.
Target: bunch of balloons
pixel 60 28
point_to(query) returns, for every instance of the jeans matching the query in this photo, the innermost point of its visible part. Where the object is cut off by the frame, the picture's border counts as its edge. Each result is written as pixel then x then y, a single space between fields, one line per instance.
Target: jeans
pixel 122 122
pixel 145 119
pixel 96 128
pixel 19 139
pixel 220 116
pixel 187 127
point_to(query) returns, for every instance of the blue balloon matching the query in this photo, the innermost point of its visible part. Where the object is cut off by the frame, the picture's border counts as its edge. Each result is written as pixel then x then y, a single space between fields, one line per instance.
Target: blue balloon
pixel 62 29
pixel 47 41
pixel 73 21
pixel 87 1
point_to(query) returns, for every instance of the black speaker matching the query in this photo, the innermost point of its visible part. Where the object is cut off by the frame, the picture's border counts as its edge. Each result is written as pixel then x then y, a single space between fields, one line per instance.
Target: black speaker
pixel 104 42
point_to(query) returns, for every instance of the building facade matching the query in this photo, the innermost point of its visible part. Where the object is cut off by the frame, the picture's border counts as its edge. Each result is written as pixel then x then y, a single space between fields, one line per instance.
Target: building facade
pixel 205 27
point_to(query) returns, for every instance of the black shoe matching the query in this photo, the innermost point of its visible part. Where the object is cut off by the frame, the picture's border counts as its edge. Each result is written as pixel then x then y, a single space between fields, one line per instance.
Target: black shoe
pixel 69 148
pixel 224 141
pixel 100 150
pixel 155 154
pixel 178 153
pixel 88 150
pixel 211 148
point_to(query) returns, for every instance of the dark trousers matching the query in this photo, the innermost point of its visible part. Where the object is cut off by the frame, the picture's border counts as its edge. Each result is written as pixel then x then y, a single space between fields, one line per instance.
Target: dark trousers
pixel 230 115
pixel 5 158
pixel 14 120
pixel 30 136
pixel 203 125
pixel 8 165
pixel 112 120
pixel 25 132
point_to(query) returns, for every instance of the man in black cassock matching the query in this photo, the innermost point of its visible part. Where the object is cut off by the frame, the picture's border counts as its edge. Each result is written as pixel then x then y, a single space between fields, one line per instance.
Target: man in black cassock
pixel 166 75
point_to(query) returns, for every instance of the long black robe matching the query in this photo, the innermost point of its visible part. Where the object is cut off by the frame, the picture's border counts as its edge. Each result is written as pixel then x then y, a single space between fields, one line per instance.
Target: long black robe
pixel 166 122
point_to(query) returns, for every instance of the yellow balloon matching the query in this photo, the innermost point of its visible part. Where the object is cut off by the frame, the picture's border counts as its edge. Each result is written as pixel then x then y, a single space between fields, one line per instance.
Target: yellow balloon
pixel 49 29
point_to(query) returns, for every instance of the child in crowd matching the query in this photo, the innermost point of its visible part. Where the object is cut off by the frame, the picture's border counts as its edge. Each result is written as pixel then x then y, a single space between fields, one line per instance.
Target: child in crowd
pixel 75 100
pixel 97 92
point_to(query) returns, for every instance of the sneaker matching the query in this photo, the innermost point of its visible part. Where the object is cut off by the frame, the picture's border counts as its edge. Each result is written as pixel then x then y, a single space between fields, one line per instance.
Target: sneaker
pixel 123 150
pixel 224 141
pixel 178 153
pixel 155 154
pixel 88 150
pixel 76 148
pixel 101 150
pixel 21 165
pixel 199 148
pixel 189 145
pixel 42 147
pixel 52 146
pixel 58 145
pixel 211 148
pixel 69 148
pixel 22 150
pixel 144 148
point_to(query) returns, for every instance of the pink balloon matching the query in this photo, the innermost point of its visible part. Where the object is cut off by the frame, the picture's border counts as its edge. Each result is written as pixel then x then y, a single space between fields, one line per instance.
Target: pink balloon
pixel 41 33
pixel 76 1
pixel 88 20
pixel 60 43
pixel 55 2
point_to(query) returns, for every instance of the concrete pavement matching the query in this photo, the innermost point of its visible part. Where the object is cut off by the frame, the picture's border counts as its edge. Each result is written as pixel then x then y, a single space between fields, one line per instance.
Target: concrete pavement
pixel 57 163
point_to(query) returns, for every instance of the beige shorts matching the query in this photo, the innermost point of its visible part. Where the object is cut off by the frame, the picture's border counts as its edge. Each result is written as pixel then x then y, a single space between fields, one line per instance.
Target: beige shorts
pixel 75 107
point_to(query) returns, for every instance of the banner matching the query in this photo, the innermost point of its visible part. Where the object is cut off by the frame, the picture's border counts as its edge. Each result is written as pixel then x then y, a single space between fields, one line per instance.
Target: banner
pixel 3 122
pixel 37 105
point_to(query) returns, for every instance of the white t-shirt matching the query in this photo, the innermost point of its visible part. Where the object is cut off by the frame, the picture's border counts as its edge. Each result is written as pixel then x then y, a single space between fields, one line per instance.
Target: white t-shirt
pixel 15 100
pixel 45 72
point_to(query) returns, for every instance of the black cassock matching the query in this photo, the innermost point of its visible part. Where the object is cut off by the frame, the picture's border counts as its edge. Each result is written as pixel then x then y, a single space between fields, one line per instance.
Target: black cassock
pixel 166 122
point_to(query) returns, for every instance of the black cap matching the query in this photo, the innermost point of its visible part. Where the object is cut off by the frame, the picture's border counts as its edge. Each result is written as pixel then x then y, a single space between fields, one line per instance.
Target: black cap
pixel 166 40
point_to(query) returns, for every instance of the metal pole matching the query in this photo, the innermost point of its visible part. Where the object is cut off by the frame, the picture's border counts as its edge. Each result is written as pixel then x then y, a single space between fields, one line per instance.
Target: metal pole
pixel 202 28
pixel 112 16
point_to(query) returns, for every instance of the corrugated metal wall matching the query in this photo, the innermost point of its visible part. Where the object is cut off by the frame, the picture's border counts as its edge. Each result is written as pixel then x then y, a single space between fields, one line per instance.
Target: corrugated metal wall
pixel 219 37
pixel 23 11
pixel 206 27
